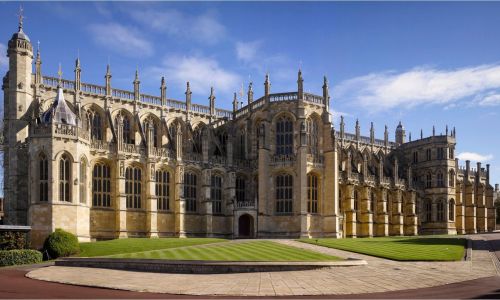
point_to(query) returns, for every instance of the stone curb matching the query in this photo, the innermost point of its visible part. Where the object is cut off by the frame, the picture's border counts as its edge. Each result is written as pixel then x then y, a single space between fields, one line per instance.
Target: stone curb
pixel 200 267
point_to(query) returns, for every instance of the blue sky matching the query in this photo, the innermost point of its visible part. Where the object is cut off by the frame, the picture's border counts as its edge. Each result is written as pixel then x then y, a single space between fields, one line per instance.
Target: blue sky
pixel 422 63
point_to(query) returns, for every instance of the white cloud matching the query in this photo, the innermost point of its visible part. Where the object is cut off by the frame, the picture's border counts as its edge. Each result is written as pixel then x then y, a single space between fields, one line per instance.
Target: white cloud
pixel 201 72
pixel 124 40
pixel 247 51
pixel 336 116
pixel 203 28
pixel 4 61
pixel 472 156
pixel 490 100
pixel 421 85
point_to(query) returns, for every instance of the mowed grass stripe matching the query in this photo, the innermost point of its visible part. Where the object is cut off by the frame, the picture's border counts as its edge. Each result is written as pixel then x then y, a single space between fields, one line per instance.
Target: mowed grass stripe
pixel 236 251
pixel 130 245
pixel 400 248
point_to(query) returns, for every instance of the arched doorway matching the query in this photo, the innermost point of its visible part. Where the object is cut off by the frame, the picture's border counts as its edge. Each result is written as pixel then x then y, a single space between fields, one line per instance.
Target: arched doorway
pixel 245 226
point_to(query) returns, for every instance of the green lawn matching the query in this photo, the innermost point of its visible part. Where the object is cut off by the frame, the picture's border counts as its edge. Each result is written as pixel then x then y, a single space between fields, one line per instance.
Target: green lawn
pixel 234 251
pixel 400 248
pixel 120 246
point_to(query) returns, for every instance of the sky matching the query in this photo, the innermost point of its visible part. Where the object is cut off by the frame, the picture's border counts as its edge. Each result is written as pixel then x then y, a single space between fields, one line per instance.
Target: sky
pixel 422 63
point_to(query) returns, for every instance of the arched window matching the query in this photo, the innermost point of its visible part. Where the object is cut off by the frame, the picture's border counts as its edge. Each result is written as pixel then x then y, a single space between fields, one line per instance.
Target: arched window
pixel 155 135
pixel 127 131
pixel 101 185
pixel 83 181
pixel 452 178
pixel 133 187
pixel 312 193
pixel 65 178
pixel 240 189
pixel 190 187
pixel 43 177
pixel 97 128
pixel 172 136
pixel 284 193
pixel 216 194
pixel 428 154
pixel 415 157
pixel 440 180
pixel 162 189
pixel 312 137
pixel 428 180
pixel 451 210
pixel 241 153
pixel 440 211
pixel 428 210
pixel 284 136
pixel 197 140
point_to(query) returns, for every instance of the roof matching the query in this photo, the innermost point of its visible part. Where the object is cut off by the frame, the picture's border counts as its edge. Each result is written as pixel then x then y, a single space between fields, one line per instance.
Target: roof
pixel 59 112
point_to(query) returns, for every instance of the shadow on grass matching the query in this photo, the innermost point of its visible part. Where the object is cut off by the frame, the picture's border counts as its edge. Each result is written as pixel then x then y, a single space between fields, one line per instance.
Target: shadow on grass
pixel 433 241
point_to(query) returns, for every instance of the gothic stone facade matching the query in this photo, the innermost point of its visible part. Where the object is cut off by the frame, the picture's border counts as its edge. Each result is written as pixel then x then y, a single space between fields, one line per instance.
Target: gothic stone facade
pixel 105 163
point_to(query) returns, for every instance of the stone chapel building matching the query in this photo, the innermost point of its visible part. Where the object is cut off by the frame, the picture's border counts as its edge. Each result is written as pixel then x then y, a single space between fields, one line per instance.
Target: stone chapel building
pixel 106 163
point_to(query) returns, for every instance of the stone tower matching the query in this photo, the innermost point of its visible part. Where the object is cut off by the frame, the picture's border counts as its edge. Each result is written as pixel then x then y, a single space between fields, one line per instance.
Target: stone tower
pixel 18 95
pixel 400 134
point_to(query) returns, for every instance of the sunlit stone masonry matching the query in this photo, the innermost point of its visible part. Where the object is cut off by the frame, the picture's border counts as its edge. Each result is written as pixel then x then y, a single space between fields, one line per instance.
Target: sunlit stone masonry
pixel 106 163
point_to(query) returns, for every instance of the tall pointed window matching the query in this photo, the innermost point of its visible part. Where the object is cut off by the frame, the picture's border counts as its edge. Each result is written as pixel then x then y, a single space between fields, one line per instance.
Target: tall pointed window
pixel 172 136
pixel 284 193
pixel 312 137
pixel 96 127
pixel 127 131
pixel 133 187
pixel 452 178
pixel 240 189
pixel 284 136
pixel 190 191
pixel 428 210
pixel 162 189
pixel 216 194
pixel 312 193
pixel 440 211
pixel 428 180
pixel 440 179
pixel 43 177
pixel 83 181
pixel 65 179
pixel 451 210
pixel 428 155
pixel 101 185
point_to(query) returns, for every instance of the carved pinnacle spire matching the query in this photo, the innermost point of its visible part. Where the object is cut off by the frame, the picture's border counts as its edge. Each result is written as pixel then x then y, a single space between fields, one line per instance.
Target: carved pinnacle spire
pixel 188 89
pixel 38 51
pixel 59 74
pixel 21 17
pixel 136 74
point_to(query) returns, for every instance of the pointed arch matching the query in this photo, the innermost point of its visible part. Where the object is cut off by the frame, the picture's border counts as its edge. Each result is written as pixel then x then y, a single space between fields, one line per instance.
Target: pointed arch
pixel 43 177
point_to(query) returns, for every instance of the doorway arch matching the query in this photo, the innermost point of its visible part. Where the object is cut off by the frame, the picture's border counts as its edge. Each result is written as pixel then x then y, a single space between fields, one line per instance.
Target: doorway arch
pixel 245 226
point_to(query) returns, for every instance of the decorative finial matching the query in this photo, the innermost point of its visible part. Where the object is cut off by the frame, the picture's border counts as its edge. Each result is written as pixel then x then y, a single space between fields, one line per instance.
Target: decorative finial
pixel 38 48
pixel 421 133
pixel 137 74
pixel 188 89
pixel 21 17
pixel 325 81
pixel 59 73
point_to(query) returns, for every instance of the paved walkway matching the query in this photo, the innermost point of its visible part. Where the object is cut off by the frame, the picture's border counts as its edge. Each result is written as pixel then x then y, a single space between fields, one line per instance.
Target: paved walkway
pixel 379 275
